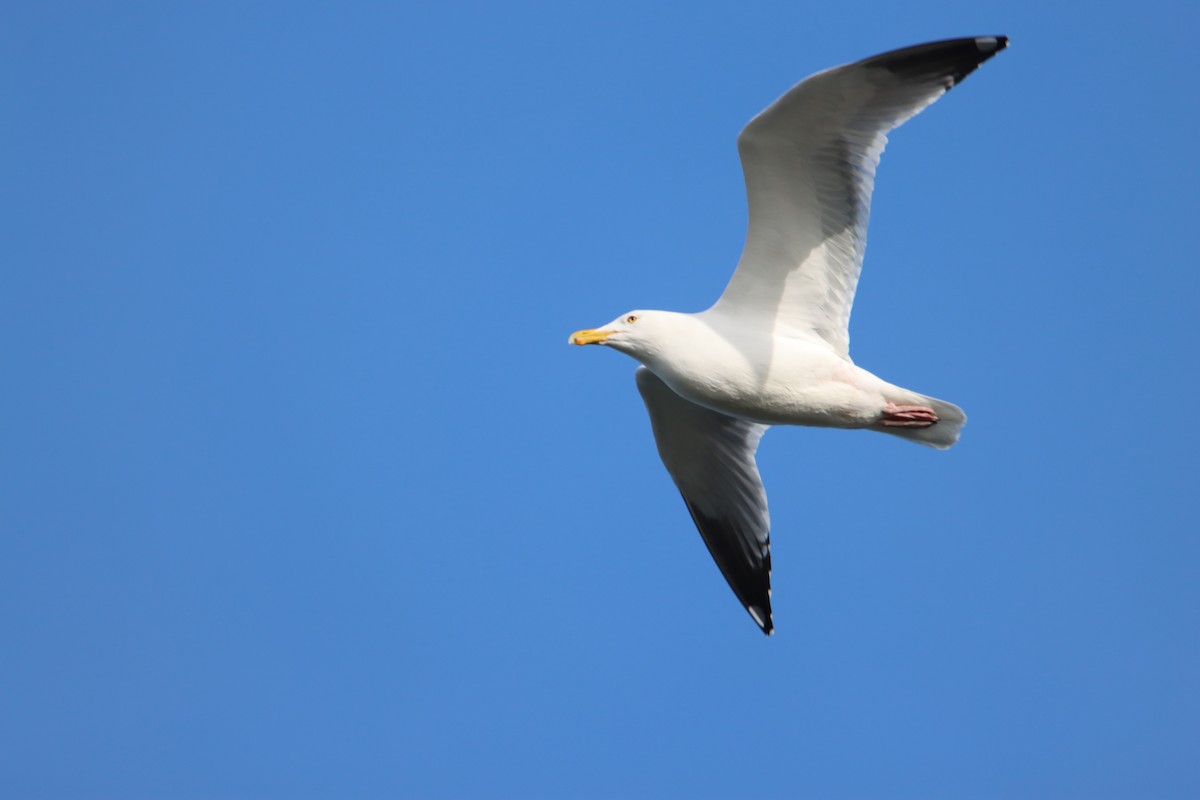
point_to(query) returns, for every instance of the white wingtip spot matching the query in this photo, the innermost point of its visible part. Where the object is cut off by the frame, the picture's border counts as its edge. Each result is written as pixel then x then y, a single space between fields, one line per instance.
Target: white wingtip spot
pixel 757 613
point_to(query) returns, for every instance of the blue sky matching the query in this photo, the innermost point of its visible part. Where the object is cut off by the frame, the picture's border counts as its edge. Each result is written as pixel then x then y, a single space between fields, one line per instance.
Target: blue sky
pixel 303 493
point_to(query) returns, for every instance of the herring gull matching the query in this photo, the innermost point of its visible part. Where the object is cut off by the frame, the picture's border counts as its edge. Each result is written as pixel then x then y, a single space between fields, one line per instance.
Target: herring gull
pixel 774 348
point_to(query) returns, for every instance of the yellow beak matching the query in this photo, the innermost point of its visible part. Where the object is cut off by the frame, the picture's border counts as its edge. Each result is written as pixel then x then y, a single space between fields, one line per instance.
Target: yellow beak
pixel 589 337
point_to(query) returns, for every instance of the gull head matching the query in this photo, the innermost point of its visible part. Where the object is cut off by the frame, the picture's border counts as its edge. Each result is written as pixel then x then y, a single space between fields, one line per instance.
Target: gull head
pixel 637 333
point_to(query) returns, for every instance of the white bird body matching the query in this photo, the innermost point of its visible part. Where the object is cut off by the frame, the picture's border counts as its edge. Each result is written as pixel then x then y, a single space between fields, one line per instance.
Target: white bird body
pixel 775 347
pixel 710 359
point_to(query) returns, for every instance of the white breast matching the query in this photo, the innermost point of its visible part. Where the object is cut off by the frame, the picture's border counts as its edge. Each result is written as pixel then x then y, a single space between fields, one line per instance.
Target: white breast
pixel 765 378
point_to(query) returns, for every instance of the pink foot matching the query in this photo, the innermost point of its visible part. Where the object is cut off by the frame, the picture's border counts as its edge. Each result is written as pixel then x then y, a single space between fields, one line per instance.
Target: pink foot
pixel 908 416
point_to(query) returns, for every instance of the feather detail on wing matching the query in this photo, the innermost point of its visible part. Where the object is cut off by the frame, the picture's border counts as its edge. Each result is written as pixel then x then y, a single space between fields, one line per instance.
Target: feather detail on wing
pixel 710 456
pixel 809 162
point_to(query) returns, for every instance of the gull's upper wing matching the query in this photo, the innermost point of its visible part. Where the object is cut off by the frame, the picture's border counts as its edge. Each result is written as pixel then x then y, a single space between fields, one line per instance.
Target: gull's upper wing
pixel 711 458
pixel 809 161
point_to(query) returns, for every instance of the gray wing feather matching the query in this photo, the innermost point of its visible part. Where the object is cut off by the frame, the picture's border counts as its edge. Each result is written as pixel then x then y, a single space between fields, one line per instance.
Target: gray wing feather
pixel 809 162
pixel 710 456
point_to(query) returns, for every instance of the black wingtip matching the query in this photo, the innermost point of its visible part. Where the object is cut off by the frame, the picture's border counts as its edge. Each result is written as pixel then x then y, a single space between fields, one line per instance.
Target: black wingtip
pixel 950 60
pixel 750 582
pixel 762 618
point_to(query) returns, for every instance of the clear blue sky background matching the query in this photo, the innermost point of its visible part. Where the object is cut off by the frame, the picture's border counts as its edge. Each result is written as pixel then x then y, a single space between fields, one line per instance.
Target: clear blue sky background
pixel 303 493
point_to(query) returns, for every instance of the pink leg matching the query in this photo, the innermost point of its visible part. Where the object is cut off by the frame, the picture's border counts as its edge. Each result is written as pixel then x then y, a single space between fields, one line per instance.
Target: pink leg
pixel 908 416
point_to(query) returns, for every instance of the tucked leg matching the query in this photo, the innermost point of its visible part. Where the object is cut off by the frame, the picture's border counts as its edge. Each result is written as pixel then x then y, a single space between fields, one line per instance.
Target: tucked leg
pixel 898 416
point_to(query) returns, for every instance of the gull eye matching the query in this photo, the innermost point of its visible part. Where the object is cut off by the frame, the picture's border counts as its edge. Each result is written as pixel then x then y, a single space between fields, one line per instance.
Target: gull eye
pixel 632 318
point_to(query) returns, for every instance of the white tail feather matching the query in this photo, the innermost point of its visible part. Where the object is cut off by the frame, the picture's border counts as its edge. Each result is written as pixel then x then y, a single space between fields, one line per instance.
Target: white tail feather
pixel 942 434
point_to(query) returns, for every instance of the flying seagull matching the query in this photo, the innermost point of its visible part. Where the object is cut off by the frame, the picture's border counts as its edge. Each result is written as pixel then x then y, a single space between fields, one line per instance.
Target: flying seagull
pixel 774 348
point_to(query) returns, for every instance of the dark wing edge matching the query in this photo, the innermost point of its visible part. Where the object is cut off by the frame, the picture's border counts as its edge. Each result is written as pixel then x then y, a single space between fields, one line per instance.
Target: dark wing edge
pixel 749 579
pixel 710 456
pixel 950 60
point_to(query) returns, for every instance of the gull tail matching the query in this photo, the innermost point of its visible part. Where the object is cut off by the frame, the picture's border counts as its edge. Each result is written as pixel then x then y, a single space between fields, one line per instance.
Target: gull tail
pixel 942 434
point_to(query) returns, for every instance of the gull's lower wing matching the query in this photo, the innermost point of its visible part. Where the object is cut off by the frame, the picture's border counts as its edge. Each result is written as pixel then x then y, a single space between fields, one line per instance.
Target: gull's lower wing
pixel 809 162
pixel 711 458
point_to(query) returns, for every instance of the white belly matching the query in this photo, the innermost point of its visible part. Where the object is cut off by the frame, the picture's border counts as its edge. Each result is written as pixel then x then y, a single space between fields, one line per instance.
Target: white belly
pixel 776 381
